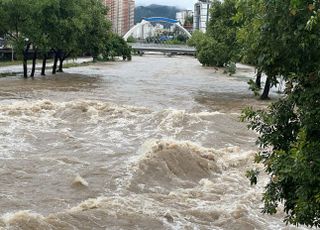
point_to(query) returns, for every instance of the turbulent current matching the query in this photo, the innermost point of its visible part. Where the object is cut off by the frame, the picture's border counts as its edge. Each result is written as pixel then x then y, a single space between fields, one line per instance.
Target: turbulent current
pixel 155 143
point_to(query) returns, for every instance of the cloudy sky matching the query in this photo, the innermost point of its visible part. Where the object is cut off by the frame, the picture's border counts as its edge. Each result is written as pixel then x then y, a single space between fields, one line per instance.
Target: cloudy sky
pixel 188 4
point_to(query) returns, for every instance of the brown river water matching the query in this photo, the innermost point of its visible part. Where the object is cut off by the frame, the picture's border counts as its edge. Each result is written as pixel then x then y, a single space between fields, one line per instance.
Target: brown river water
pixel 155 143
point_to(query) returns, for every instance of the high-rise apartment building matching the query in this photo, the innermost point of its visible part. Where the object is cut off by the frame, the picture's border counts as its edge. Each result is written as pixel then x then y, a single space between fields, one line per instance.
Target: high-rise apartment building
pixel 201 15
pixel 121 14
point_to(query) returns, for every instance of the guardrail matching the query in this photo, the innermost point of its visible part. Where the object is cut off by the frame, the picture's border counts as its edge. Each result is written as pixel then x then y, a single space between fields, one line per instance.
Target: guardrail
pixel 164 48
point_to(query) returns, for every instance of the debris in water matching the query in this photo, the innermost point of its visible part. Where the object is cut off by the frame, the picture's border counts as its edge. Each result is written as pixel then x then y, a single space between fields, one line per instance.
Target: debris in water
pixel 169 217
pixel 79 181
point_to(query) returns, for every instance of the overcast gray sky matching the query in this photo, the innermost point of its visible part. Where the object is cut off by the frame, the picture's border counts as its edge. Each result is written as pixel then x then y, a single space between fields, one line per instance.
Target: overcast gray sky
pixel 187 4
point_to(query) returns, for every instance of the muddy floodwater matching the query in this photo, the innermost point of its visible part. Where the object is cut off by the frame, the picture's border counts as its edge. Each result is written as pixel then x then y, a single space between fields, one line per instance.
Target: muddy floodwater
pixel 155 143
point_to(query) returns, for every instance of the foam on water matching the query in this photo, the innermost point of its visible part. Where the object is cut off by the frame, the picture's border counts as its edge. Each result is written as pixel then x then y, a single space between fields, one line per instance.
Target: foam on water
pixel 168 164
pixel 79 181
pixel 174 185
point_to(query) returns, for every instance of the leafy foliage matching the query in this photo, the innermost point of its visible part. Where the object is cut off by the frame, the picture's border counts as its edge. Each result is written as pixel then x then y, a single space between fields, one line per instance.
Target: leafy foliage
pixel 213 53
pixel 218 46
pixel 249 15
pixel 254 88
pixel 231 68
pixel 290 128
pixel 64 28
pixel 209 51
pixel 131 39
pixel 223 29
pixel 188 21
pixel 117 46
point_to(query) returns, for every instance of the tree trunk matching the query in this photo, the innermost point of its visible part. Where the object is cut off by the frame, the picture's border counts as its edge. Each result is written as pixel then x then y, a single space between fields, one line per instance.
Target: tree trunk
pixel 25 61
pixel 55 62
pixel 258 79
pixel 61 60
pixel 25 67
pixel 34 62
pixel 265 94
pixel 44 64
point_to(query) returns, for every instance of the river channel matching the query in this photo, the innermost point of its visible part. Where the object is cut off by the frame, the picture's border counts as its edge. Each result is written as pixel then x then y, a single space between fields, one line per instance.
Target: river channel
pixel 154 143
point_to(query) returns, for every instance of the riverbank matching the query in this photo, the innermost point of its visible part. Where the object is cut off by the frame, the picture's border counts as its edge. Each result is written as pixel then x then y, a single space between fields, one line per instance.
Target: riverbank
pixel 12 68
pixel 10 63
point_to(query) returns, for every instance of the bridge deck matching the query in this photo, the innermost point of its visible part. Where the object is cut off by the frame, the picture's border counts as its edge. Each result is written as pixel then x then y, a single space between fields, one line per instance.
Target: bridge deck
pixel 166 48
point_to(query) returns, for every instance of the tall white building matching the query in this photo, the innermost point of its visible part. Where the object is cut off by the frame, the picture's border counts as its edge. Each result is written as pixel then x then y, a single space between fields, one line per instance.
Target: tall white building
pixel 145 32
pixel 201 15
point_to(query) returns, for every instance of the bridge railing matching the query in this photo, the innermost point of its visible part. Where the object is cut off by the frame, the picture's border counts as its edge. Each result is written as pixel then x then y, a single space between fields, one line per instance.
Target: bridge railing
pixel 163 48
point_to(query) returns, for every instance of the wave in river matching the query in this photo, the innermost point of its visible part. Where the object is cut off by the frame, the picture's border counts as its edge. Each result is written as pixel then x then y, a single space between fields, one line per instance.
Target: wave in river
pixel 172 185
pixel 98 165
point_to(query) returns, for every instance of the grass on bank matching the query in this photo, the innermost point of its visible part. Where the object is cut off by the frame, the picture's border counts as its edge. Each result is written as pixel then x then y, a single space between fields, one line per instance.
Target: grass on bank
pixel 10 63
pixel 48 68
pixel 73 64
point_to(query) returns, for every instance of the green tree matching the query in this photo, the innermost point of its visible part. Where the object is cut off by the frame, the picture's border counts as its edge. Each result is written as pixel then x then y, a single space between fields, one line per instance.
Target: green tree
pixel 67 28
pixel 219 45
pixel 223 29
pixel 117 46
pixel 34 32
pixel 188 21
pixel 290 128
pixel 209 51
pixel 3 25
pixel 195 40
pixel 14 20
pixel 46 18
pixel 212 53
pixel 96 28
pixel 131 39
pixel 249 15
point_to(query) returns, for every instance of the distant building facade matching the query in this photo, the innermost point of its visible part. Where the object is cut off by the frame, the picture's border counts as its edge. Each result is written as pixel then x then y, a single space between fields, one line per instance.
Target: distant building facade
pixel 201 15
pixel 121 14
pixel 184 18
pixel 147 31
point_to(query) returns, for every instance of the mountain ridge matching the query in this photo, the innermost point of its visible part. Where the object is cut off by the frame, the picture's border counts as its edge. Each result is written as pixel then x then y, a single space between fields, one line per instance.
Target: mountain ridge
pixel 155 10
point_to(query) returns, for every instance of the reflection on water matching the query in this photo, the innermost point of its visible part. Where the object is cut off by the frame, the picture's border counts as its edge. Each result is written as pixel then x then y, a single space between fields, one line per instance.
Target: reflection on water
pixel 155 143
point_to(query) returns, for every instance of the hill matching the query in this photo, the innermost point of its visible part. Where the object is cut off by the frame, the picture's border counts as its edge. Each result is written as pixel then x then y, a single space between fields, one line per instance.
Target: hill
pixel 155 11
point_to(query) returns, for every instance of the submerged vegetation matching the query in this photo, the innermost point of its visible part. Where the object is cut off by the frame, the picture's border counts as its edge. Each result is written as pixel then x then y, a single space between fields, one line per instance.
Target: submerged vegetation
pixel 57 29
